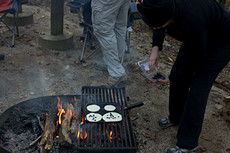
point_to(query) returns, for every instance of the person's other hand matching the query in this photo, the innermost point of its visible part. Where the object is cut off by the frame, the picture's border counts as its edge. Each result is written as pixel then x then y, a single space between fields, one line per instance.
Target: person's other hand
pixel 154 57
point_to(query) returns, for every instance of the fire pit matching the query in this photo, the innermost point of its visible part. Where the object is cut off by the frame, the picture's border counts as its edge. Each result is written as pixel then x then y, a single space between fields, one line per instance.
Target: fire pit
pixel 23 126
pixel 20 126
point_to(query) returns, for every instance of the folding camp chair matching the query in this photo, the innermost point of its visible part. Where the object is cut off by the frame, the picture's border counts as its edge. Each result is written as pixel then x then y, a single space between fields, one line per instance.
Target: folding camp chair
pixel 83 9
pixel 9 7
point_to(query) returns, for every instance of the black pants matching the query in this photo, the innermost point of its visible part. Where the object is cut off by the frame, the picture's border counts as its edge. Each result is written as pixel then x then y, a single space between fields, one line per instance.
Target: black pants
pixel 191 80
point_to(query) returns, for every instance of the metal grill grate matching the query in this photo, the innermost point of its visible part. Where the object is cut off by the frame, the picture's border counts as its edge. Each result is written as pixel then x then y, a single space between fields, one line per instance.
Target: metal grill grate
pixel 101 137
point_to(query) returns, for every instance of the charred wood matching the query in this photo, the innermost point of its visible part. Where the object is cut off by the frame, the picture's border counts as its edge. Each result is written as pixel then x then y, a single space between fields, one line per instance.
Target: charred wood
pixel 65 131
pixel 48 133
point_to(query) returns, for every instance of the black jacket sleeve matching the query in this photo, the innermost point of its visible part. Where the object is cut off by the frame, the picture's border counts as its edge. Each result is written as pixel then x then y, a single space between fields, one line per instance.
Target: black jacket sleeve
pixel 158 38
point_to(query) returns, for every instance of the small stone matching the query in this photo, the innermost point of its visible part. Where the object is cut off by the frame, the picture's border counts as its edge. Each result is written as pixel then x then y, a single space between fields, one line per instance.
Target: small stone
pixel 218 106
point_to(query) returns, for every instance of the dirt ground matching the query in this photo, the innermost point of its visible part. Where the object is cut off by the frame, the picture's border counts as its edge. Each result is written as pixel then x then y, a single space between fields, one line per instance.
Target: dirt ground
pixel 30 71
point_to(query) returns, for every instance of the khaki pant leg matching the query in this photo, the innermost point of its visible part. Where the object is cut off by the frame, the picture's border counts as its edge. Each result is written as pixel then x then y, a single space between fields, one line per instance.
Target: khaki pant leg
pixel 121 27
pixel 104 15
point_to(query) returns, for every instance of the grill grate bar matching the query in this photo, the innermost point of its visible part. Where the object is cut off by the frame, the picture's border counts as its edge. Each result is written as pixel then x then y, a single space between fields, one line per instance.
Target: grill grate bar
pixel 103 90
pixel 108 133
pixel 99 131
pixel 91 127
pixel 123 124
pixel 117 134
pixel 128 132
pixel 120 125
pixel 111 124
pixel 88 131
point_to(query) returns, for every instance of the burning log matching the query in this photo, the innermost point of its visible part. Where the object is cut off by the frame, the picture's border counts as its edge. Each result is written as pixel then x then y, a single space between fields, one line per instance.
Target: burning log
pixel 48 133
pixel 73 127
pixel 68 127
pixel 42 150
pixel 75 118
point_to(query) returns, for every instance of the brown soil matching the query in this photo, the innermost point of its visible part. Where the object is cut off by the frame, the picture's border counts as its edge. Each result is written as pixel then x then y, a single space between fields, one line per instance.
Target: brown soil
pixel 30 71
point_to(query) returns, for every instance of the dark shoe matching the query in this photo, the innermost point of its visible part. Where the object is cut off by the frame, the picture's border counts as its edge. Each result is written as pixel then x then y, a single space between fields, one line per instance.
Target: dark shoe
pixel 165 122
pixel 100 67
pixel 176 149
pixel 2 57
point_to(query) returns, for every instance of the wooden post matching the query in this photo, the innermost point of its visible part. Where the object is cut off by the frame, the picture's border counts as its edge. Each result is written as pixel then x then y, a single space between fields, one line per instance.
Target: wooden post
pixel 20 2
pixel 20 8
pixel 57 38
pixel 57 13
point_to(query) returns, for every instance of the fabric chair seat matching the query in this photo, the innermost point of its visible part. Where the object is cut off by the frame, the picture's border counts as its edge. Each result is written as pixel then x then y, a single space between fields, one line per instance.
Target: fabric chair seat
pixel 9 7
pixel 5 4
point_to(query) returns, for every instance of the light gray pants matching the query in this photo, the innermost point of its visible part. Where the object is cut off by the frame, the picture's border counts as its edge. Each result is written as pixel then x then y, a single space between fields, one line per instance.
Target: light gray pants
pixel 109 18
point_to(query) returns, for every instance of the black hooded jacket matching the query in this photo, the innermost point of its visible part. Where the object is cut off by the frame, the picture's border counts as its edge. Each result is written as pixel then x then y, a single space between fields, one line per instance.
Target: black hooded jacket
pixel 198 23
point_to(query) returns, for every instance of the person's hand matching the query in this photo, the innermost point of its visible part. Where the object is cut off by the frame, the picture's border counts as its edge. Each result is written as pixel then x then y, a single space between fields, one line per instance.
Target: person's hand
pixel 154 58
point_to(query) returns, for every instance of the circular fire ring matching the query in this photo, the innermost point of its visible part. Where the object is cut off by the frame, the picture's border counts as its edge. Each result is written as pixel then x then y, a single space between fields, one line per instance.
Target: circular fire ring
pixel 19 124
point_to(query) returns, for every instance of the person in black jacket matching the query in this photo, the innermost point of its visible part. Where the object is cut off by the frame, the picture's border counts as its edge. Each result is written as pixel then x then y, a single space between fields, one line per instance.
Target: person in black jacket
pixel 204 28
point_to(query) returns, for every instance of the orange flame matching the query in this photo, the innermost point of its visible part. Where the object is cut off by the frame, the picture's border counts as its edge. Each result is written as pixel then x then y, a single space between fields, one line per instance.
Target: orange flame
pixel 80 130
pixel 78 133
pixel 81 134
pixel 60 110
pixel 110 135
pixel 75 99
